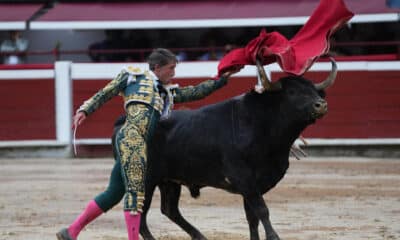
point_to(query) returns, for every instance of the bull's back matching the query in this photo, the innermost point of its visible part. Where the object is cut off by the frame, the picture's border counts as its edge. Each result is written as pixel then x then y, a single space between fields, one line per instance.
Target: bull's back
pixel 190 143
pixel 200 126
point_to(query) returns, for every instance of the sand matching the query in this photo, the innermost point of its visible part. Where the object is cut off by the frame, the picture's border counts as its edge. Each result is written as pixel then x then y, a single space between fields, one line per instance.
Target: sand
pixel 319 198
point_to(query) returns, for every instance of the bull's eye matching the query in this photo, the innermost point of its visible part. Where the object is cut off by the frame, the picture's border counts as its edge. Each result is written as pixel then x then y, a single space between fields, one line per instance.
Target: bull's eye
pixel 291 92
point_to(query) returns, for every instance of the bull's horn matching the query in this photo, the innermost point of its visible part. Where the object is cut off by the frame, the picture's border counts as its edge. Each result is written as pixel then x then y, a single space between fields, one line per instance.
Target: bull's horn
pixel 266 83
pixel 264 79
pixel 330 79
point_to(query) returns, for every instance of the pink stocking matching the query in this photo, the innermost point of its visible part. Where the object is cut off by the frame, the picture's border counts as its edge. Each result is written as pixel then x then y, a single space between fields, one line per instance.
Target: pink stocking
pixel 132 225
pixel 91 212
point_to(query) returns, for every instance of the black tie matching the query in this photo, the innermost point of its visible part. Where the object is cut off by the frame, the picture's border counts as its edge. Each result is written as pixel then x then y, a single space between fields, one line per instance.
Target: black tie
pixel 161 89
pixel 164 94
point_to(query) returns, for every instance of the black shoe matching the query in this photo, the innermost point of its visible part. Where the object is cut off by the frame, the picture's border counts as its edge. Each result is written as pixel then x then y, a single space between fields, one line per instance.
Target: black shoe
pixel 64 235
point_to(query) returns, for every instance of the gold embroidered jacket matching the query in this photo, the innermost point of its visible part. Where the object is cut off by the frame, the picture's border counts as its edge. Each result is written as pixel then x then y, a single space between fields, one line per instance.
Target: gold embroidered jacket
pixel 135 85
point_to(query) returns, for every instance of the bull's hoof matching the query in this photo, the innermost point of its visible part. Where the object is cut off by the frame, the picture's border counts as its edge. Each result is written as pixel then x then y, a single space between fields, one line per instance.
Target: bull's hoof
pixel 148 237
pixel 199 236
pixel 273 237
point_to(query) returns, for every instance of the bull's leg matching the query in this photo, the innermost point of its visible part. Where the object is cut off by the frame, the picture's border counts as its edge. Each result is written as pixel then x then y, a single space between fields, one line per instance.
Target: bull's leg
pixel 170 194
pixel 144 229
pixel 253 221
pixel 260 209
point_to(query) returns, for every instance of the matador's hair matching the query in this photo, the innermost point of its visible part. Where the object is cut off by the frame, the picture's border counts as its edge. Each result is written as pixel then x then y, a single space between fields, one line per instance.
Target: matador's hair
pixel 161 57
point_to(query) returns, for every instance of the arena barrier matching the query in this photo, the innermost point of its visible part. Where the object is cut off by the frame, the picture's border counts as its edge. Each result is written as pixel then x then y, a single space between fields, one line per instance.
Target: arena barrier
pixel 38 102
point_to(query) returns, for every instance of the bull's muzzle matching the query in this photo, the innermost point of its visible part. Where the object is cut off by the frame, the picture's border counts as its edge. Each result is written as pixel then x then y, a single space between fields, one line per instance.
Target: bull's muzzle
pixel 320 109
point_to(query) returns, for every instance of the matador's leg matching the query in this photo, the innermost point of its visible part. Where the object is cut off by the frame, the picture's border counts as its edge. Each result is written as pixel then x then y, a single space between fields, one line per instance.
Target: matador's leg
pixel 133 156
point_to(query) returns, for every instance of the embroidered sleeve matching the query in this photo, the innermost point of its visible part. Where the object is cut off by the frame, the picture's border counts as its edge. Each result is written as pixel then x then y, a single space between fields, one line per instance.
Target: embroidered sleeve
pixel 102 96
pixel 202 90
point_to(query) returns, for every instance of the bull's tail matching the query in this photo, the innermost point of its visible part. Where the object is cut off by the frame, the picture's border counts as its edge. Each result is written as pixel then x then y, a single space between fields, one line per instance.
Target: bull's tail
pixel 121 119
pixel 117 125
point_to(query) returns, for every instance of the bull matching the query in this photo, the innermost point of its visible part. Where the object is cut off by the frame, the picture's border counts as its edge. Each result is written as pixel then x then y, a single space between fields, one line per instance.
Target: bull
pixel 241 145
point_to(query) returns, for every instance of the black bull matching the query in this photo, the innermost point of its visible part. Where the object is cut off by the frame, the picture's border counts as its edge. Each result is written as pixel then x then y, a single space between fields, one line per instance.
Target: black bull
pixel 241 145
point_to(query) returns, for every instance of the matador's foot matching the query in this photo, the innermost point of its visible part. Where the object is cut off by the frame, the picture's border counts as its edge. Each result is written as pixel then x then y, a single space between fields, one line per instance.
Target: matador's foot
pixel 64 235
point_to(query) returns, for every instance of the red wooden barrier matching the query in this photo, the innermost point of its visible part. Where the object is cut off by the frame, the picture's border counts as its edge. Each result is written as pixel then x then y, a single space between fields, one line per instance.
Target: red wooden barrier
pixel 362 104
pixel 28 109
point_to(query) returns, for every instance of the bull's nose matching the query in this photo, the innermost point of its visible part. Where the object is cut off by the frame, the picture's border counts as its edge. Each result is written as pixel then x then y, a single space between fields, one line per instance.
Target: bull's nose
pixel 321 107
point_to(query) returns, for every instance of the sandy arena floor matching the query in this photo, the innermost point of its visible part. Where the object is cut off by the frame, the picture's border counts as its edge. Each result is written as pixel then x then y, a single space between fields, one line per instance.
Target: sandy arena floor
pixel 320 198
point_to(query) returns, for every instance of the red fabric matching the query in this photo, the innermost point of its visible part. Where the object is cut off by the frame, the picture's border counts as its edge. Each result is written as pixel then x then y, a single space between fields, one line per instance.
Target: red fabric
pixel 297 55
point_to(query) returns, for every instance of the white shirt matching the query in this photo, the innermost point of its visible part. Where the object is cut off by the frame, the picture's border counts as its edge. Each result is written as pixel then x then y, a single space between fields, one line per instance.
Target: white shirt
pixel 13 46
pixel 154 78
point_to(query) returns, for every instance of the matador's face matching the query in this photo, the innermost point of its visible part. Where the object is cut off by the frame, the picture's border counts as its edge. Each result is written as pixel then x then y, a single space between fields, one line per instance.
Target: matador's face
pixel 165 73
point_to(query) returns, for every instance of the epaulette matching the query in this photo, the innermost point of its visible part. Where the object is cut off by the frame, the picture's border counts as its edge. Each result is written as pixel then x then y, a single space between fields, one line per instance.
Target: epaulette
pixel 134 70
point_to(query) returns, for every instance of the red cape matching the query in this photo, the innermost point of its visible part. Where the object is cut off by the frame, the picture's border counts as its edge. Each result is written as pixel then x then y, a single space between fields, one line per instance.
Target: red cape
pixel 297 55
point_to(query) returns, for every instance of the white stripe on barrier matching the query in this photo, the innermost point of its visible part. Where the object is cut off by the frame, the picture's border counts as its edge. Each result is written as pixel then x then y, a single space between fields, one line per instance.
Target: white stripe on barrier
pixel 97 71
pixel 208 69
pixel 205 69
pixel 350 141
pixel 16 25
pixel 26 74
pixel 313 142
pixel 93 141
pixel 379 17
pixel 31 143
pixel 152 24
pixel 200 23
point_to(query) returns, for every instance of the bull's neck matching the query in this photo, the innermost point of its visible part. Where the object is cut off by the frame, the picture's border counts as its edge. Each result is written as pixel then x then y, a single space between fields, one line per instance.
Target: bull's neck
pixel 280 127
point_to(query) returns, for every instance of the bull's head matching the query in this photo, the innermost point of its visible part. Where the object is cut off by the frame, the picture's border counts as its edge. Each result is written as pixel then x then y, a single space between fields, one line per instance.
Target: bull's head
pixel 299 96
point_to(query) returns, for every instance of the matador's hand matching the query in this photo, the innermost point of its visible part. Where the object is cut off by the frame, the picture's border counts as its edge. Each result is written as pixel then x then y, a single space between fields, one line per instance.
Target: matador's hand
pixel 78 119
pixel 232 71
